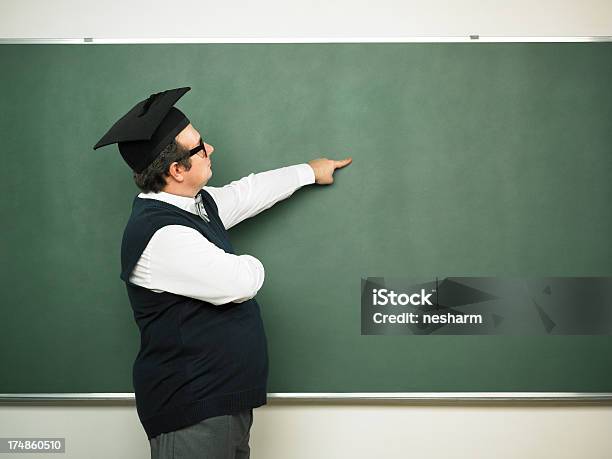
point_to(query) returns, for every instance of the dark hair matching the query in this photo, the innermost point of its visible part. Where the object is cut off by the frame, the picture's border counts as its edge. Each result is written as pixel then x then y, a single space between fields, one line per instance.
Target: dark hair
pixel 153 178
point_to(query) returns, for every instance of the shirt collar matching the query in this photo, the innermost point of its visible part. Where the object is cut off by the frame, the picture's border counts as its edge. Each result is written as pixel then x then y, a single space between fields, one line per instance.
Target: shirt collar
pixel 182 202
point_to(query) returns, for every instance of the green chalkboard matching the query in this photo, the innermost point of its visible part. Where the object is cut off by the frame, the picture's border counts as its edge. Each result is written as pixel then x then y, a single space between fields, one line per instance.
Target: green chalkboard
pixel 470 159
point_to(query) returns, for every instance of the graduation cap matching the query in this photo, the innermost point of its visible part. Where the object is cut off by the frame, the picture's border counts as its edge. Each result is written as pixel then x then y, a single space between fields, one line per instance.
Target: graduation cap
pixel 147 128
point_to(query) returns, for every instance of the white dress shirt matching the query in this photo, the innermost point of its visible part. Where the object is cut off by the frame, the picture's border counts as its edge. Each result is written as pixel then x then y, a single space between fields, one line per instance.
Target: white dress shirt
pixel 179 260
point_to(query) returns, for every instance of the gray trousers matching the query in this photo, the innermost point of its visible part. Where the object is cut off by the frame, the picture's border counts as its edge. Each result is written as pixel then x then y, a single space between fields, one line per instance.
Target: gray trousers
pixel 221 437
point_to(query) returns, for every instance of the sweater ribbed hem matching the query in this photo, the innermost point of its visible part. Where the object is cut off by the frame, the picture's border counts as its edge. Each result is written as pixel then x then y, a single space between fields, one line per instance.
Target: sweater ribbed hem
pixel 192 413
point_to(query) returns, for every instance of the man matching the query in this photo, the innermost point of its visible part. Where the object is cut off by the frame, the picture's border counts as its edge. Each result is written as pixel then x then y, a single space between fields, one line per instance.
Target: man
pixel 202 365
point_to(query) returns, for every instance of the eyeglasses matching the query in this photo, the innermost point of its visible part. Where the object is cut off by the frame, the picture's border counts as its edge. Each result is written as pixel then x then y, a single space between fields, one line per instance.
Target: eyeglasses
pixel 199 148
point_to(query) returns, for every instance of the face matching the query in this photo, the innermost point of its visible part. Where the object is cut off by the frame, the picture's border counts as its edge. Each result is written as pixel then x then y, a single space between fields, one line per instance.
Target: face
pixel 201 167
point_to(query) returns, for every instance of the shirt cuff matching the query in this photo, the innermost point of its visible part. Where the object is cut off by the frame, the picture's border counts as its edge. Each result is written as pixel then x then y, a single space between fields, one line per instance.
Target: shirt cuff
pixel 306 174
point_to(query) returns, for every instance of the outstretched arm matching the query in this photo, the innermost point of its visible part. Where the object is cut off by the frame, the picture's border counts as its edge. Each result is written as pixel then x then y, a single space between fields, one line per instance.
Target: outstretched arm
pixel 247 197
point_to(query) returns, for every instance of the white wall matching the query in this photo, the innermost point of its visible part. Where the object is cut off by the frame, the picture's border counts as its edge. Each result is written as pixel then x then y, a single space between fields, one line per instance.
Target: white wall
pixel 284 430
pixel 366 431
pixel 302 18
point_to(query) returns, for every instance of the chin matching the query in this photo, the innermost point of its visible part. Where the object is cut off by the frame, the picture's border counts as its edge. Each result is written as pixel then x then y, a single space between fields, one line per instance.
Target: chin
pixel 205 181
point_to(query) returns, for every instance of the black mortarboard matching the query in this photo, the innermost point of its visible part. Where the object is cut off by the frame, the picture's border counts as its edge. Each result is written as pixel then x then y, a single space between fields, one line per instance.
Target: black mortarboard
pixel 147 128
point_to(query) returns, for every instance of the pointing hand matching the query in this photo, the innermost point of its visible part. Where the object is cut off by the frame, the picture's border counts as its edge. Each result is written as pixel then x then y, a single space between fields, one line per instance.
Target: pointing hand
pixel 324 169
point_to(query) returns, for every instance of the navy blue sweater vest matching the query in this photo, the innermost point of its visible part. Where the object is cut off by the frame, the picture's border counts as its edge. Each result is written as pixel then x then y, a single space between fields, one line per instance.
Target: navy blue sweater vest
pixel 196 360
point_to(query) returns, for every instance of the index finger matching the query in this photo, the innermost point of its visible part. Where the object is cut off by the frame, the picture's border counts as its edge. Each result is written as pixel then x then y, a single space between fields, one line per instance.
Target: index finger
pixel 343 162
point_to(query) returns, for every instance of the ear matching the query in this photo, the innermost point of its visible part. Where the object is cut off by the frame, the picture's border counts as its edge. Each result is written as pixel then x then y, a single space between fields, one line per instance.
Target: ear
pixel 176 171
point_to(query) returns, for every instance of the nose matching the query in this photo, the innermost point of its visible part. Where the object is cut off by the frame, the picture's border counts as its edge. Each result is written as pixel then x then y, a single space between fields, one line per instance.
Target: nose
pixel 209 148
